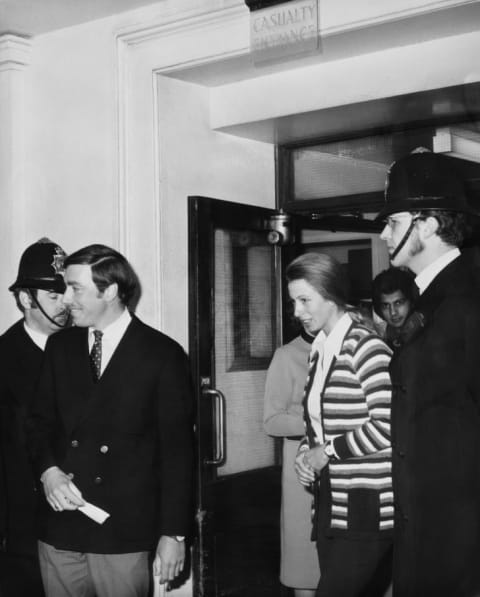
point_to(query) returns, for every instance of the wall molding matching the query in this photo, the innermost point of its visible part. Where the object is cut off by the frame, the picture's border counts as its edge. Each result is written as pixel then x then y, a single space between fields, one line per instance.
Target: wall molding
pixel 153 63
pixel 15 52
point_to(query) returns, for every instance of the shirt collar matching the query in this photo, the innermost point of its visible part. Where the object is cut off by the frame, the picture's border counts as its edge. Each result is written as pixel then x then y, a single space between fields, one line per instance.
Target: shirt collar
pixel 38 338
pixel 333 342
pixel 114 331
pixel 425 277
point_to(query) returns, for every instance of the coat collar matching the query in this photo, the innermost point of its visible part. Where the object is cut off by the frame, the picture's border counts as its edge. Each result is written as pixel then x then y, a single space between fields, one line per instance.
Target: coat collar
pixel 79 366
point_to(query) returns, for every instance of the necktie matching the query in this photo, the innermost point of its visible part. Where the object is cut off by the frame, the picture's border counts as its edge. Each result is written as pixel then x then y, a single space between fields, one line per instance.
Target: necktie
pixel 96 355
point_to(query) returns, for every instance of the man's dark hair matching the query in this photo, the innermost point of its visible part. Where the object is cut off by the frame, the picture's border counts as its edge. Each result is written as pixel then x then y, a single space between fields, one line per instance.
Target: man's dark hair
pixel 453 226
pixel 108 267
pixel 392 280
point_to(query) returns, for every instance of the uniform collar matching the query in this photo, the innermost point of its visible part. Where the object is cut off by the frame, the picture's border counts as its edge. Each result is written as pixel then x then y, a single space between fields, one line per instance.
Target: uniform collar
pixel 38 338
pixel 426 276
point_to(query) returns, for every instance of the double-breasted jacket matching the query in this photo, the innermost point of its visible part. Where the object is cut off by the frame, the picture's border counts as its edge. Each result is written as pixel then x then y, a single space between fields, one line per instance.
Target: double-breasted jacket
pixel 126 441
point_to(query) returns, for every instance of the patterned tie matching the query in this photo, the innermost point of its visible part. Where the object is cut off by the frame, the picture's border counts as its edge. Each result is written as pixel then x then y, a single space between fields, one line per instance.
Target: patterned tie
pixel 96 355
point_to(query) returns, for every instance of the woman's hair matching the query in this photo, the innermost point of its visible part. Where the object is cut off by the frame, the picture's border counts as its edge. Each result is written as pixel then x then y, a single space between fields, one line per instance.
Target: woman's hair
pixel 322 272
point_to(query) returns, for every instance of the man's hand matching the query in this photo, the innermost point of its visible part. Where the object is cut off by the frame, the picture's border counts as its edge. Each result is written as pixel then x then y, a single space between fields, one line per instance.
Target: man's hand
pixel 59 490
pixel 169 559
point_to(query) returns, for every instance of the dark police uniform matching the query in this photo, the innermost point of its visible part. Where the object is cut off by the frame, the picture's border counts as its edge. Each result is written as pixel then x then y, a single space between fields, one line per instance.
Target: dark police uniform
pixel 436 397
pixel 40 268
pixel 21 359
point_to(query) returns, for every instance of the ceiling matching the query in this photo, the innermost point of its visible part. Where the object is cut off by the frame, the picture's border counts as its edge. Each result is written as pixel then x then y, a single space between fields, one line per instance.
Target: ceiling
pixel 34 17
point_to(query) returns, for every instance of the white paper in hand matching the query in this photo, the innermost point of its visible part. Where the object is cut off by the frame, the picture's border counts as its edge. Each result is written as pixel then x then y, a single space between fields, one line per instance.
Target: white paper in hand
pixel 93 512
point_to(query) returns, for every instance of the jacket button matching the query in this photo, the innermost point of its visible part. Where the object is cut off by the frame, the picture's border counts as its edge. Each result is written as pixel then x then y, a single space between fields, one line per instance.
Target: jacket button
pixel 104 449
pixel 70 475
pixel 98 480
pixel 75 443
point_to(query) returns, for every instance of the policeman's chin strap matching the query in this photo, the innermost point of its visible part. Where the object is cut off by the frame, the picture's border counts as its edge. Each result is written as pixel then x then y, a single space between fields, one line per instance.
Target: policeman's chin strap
pixel 39 306
pixel 405 237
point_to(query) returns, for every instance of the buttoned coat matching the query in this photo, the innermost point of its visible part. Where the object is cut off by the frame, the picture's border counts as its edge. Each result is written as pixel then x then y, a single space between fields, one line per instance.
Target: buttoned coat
pixel 126 441
pixel 436 442
pixel 21 361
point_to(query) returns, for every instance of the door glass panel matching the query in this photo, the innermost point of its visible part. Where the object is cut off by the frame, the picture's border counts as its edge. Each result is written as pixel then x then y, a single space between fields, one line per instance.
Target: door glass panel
pixel 352 166
pixel 245 337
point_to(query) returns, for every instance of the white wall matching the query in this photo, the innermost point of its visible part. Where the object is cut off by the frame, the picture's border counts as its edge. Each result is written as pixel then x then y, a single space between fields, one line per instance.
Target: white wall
pixel 88 181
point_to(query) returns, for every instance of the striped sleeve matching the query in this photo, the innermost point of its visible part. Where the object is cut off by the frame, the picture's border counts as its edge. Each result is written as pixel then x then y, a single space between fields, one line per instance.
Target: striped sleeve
pixel 370 363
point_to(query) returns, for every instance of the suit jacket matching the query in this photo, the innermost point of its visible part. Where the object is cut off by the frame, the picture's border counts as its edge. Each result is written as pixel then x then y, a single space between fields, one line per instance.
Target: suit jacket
pixel 21 361
pixel 126 441
pixel 436 442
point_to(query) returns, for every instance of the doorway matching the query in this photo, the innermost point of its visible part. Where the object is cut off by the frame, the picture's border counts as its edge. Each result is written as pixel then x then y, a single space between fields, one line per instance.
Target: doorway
pixel 237 320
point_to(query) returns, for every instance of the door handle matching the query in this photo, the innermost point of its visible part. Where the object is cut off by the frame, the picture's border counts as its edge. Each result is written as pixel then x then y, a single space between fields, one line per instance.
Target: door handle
pixel 219 425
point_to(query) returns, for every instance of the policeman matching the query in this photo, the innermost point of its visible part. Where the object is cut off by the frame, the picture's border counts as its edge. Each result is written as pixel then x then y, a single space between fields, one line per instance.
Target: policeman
pixel 38 291
pixel 436 384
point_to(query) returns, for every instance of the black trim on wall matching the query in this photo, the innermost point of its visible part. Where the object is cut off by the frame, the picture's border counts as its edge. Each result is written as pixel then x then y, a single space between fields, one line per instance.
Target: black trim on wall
pixel 257 4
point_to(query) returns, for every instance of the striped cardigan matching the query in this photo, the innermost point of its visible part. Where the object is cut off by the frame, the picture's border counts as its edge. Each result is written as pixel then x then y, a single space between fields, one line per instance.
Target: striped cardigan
pixel 355 415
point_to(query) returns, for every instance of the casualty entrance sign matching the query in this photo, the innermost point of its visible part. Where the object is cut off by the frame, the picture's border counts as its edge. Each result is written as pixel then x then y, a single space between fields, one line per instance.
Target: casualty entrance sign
pixel 284 29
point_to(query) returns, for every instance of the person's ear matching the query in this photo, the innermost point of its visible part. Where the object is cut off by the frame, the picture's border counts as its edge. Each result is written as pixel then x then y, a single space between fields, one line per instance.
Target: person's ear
pixel 25 299
pixel 430 227
pixel 111 292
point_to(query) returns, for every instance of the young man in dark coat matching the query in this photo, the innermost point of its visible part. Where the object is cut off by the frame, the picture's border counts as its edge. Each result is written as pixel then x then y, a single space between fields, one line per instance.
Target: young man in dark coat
pixel 38 290
pixel 394 293
pixel 111 428
pixel 436 385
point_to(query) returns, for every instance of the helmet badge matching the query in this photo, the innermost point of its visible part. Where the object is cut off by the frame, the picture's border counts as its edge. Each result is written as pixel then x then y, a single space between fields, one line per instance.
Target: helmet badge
pixel 58 260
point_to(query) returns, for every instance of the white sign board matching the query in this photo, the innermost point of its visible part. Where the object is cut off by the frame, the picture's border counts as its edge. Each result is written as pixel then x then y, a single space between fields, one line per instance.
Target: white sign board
pixel 284 29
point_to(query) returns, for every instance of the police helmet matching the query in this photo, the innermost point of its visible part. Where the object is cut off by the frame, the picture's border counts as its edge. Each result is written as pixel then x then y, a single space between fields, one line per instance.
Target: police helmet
pixel 424 180
pixel 41 266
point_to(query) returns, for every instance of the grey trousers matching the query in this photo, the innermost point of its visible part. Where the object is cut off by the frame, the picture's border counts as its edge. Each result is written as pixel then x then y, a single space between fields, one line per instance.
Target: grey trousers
pixel 74 574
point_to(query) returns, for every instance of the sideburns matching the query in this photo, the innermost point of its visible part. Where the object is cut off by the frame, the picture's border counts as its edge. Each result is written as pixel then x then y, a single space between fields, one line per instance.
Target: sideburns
pixel 416 245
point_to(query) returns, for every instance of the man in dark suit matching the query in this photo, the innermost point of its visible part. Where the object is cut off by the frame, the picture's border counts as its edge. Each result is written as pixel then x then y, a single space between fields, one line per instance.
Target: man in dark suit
pixel 38 291
pixel 436 384
pixel 111 429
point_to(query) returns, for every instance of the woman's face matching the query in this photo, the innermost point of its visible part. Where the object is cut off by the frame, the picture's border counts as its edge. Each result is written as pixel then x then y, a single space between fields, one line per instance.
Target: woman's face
pixel 313 311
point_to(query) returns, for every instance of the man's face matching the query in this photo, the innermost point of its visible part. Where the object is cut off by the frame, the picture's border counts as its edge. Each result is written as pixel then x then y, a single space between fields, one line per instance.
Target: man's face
pixel 393 233
pixel 51 303
pixel 87 304
pixel 395 308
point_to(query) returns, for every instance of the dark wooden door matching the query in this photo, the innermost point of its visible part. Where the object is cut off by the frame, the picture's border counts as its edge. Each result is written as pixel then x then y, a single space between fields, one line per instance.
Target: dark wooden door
pixel 234 315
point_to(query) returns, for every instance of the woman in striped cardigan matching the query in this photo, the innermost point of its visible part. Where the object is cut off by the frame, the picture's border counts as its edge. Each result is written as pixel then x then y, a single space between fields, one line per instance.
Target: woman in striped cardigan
pixel 346 453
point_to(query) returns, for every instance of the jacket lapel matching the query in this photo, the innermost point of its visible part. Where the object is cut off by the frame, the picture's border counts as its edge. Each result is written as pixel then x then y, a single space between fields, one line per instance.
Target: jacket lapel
pixel 81 381
pixel 116 371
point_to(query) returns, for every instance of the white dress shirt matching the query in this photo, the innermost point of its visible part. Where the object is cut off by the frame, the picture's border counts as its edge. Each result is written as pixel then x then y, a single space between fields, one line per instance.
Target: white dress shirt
pixel 425 277
pixel 328 347
pixel 112 335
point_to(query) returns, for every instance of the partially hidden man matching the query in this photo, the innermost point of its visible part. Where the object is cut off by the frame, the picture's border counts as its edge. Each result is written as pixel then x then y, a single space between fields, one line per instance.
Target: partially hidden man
pixel 436 384
pixel 38 292
pixel 111 428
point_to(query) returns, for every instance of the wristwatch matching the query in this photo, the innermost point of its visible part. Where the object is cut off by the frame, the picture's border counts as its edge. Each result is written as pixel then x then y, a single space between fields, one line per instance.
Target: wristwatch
pixel 328 449
pixel 178 538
